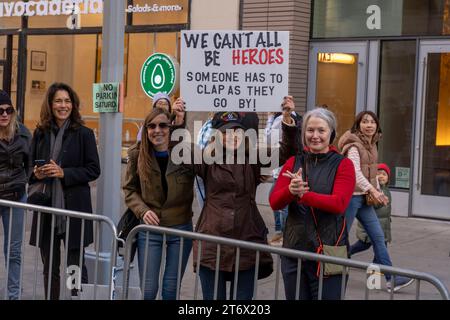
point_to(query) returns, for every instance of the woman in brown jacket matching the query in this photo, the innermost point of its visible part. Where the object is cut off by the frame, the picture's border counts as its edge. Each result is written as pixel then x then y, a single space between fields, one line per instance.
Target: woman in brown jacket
pixel 160 193
pixel 359 145
pixel 230 211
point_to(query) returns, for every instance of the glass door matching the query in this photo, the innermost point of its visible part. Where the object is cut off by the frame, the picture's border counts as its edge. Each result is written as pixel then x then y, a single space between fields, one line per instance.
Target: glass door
pixel 431 177
pixel 337 80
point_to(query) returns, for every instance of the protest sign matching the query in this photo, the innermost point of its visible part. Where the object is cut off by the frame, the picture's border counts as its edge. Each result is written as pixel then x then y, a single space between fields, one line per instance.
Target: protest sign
pixel 244 71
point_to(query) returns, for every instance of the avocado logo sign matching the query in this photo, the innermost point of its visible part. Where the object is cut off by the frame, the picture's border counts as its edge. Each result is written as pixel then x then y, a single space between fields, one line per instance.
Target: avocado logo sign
pixel 159 74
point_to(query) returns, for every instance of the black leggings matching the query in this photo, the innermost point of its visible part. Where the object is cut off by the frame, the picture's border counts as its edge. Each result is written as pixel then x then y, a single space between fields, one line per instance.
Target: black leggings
pixel 309 282
pixel 73 259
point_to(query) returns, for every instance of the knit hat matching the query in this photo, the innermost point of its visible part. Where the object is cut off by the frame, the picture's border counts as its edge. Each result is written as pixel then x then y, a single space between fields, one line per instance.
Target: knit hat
pixel 384 166
pixel 227 120
pixel 4 98
pixel 159 96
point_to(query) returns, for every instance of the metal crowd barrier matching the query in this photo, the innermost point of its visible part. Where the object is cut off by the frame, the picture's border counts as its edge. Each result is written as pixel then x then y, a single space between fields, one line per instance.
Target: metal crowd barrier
pixel 98 222
pixel 299 255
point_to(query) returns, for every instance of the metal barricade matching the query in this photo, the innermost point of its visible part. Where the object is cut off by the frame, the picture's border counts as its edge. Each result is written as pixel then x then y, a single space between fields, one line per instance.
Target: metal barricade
pixel 258 248
pixel 73 273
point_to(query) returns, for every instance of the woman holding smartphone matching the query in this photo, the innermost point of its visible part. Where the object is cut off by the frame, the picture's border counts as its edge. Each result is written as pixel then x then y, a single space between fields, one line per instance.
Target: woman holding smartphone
pixel 14 152
pixel 71 162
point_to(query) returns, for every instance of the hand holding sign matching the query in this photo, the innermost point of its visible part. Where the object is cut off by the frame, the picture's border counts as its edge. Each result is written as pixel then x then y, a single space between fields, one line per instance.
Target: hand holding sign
pixel 179 110
pixel 245 71
pixel 288 106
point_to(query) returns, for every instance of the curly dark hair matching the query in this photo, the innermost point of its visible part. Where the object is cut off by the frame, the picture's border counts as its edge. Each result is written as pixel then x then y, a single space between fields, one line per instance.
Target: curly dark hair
pixel 47 116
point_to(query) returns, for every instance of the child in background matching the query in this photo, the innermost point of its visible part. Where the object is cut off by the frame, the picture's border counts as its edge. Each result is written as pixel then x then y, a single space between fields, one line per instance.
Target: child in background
pixel 383 214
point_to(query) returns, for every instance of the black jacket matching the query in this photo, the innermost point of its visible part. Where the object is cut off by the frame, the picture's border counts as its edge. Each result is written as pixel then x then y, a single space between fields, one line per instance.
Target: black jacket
pixel 14 163
pixel 81 165
pixel 301 231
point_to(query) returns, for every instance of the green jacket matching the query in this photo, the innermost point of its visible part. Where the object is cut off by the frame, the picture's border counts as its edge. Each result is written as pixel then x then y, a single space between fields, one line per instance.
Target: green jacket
pixel 384 215
pixel 142 195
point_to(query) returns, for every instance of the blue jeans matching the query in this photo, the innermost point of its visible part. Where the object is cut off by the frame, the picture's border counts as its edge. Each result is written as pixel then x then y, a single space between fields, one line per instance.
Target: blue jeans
pixel 15 253
pixel 155 242
pixel 199 187
pixel 279 216
pixel 360 246
pixel 368 218
pixel 244 290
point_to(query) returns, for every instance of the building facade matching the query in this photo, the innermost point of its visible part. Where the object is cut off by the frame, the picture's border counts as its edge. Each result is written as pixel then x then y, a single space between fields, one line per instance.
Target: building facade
pixel 388 56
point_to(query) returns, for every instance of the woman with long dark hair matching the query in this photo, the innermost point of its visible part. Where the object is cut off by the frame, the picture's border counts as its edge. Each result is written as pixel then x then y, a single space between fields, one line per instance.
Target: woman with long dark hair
pixel 69 152
pixel 159 193
pixel 359 144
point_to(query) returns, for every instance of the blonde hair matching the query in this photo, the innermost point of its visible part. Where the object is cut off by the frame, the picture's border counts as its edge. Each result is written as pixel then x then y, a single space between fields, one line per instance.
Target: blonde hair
pixel 9 131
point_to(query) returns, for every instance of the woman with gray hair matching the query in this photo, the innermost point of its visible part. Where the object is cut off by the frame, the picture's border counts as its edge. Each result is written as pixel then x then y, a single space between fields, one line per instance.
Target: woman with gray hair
pixel 317 184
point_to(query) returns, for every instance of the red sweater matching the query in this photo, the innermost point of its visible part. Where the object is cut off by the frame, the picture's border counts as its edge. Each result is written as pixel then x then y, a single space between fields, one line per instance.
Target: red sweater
pixel 336 202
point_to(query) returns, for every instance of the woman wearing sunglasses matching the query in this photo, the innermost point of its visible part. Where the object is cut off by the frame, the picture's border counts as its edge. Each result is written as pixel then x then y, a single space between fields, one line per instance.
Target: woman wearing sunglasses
pixel 14 153
pixel 159 193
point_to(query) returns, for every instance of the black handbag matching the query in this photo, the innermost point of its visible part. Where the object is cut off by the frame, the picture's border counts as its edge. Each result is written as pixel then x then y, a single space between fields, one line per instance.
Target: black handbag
pixel 39 193
pixel 126 223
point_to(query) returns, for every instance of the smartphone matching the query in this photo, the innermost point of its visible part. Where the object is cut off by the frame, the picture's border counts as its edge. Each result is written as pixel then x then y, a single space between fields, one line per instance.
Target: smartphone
pixel 40 162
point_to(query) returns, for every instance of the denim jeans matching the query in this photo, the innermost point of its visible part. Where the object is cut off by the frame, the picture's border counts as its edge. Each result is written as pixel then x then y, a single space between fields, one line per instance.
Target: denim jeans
pixel 309 282
pixel 199 187
pixel 244 290
pixel 15 251
pixel 279 216
pixel 360 246
pixel 154 256
pixel 368 218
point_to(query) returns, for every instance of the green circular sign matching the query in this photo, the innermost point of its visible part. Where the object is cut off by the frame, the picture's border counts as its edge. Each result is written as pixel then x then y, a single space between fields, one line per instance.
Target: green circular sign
pixel 159 74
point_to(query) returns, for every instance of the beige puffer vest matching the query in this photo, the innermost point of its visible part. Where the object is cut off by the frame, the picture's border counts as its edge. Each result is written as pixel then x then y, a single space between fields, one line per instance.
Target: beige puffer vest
pixel 368 154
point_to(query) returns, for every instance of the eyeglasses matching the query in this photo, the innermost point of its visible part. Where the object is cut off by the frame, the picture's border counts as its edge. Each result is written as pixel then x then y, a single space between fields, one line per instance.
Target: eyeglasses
pixel 162 125
pixel 60 101
pixel 162 103
pixel 9 110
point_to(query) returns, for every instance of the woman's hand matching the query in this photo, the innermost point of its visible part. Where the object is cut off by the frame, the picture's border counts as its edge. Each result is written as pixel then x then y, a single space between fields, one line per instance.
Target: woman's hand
pixel 379 196
pixel 288 106
pixel 52 170
pixel 151 218
pixel 179 110
pixel 297 187
pixel 39 173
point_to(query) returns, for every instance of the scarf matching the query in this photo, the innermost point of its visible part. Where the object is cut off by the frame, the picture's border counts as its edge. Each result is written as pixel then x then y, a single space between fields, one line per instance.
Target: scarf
pixel 57 189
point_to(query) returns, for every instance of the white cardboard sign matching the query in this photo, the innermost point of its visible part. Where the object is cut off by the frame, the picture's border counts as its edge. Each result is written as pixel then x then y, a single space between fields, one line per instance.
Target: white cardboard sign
pixel 244 71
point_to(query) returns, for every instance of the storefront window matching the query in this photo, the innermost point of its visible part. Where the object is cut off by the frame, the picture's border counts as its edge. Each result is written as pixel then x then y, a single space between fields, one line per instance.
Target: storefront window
pixel 367 18
pixel 60 58
pixel 396 100
pixel 76 60
pixel 337 75
pixel 436 133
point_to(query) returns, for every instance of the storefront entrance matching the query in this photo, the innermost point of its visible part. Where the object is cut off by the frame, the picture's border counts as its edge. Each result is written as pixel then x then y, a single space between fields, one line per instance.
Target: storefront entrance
pixel 337 80
pixel 431 178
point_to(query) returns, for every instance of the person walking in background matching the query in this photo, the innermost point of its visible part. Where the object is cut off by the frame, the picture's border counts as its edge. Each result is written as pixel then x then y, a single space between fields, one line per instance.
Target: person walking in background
pixel 177 111
pixel 69 151
pixel 159 193
pixel 272 130
pixel 203 138
pixel 359 144
pixel 383 213
pixel 317 184
pixel 15 142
